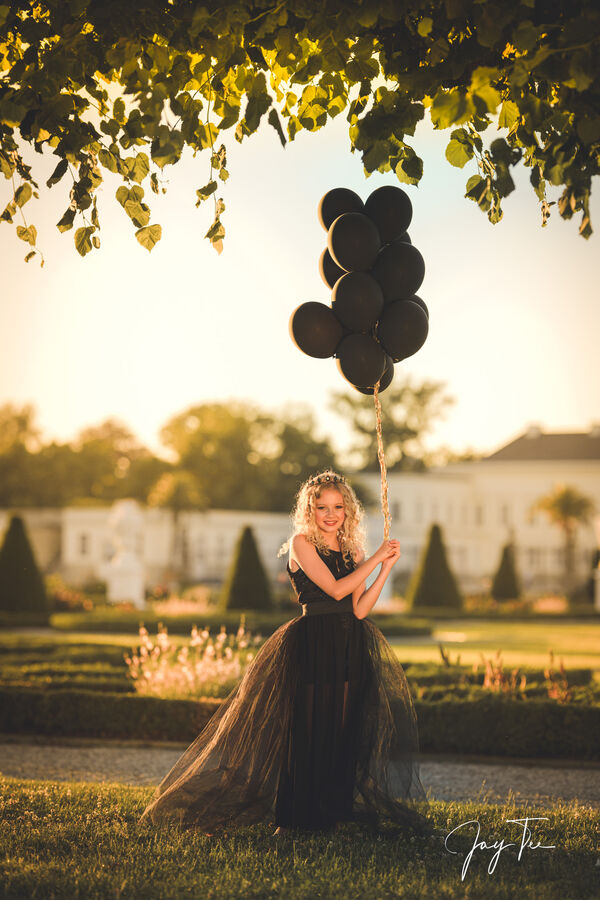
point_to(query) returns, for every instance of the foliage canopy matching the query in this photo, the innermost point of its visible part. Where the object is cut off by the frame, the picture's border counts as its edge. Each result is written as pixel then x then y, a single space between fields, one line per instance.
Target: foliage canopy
pixel 125 87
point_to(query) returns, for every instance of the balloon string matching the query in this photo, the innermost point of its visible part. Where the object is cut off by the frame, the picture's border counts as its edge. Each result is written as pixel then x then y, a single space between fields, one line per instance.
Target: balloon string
pixel 387 519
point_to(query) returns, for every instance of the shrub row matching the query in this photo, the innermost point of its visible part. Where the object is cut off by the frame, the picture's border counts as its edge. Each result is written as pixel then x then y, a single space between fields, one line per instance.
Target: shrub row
pixel 264 622
pixel 430 674
pixel 490 725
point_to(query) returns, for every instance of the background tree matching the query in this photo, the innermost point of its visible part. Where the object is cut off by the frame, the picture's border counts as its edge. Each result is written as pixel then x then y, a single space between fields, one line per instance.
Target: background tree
pixel 506 583
pixel 408 413
pixel 246 585
pixel 21 584
pixel 244 458
pixel 17 428
pixel 567 508
pixel 123 88
pixel 433 583
pixel 177 491
pixel 103 463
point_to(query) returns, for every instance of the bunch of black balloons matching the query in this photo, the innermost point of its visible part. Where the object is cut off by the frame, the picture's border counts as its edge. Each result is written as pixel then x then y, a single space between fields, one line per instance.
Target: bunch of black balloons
pixel 376 318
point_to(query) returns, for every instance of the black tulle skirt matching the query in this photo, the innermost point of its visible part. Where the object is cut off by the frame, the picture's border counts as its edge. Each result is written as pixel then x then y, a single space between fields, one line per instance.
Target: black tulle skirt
pixel 320 730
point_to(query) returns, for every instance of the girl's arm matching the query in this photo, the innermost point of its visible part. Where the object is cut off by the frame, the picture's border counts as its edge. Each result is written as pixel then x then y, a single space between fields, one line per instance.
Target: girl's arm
pixel 364 601
pixel 305 554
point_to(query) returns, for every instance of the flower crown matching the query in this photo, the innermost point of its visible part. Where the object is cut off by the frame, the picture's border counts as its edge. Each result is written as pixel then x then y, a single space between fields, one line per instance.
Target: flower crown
pixel 326 479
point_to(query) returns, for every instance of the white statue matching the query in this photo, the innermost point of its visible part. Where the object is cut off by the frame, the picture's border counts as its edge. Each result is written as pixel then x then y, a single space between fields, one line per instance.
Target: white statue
pixel 125 571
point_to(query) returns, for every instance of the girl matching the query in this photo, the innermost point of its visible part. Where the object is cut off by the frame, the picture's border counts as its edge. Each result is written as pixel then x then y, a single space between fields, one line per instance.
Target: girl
pixel 321 729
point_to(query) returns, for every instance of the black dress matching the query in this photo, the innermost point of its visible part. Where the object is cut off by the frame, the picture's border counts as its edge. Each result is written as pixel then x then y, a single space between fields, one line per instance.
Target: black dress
pixel 321 729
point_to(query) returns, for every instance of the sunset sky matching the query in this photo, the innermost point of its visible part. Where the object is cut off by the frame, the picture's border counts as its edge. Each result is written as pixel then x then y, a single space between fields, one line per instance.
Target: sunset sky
pixel 514 312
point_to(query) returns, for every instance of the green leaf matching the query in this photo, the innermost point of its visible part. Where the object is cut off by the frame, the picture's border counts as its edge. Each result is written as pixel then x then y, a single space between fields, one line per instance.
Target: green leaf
pixel 67 220
pixel 424 27
pixel 509 113
pixel 538 183
pixel 119 110
pixel 274 120
pixel 458 154
pixel 58 173
pixel 82 240
pixel 6 167
pixel 410 169
pixel 451 107
pixel 108 160
pixel 149 236
pixel 215 231
pixel 23 193
pixel 588 129
pixel 27 234
pixel 9 212
pixel 140 168
pixel 206 191
pixel 525 36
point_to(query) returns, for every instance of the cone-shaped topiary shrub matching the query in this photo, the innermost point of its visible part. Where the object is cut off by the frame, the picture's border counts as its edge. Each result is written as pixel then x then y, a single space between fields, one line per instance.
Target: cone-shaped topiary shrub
pixel 505 584
pixel 22 587
pixel 433 583
pixel 246 585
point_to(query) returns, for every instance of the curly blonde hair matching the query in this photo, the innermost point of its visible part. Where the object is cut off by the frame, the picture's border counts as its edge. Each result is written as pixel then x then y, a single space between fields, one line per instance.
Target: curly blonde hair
pixel 351 535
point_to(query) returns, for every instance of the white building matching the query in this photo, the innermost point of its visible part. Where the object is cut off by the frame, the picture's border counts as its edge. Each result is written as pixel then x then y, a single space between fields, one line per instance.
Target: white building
pixel 479 506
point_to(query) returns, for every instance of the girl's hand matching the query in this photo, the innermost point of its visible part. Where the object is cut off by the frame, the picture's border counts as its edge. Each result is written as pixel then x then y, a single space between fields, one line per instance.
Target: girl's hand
pixel 393 559
pixel 387 550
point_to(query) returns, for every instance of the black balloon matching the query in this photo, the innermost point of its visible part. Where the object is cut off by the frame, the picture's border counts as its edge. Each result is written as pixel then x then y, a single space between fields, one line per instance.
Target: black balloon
pixel 405 238
pixel 357 301
pixel 336 202
pixel 360 359
pixel 421 303
pixel 353 241
pixel 399 269
pixel 402 329
pixel 386 378
pixel 315 330
pixel 391 210
pixel 330 271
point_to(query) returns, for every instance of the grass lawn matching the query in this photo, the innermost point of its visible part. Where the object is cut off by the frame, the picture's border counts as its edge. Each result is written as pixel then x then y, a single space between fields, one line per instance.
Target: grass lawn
pixel 71 840
pixel 521 643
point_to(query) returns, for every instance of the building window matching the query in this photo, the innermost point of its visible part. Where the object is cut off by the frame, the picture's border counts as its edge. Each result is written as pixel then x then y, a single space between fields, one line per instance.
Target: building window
pixel 559 556
pixel 504 514
pixel 418 511
pixel 479 515
pixel 464 514
pixel 84 544
pixel 396 511
pixel 449 513
pixel 434 511
pixel 536 557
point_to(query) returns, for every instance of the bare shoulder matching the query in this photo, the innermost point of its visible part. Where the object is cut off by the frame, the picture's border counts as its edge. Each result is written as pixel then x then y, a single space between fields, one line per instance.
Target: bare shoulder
pixel 299 542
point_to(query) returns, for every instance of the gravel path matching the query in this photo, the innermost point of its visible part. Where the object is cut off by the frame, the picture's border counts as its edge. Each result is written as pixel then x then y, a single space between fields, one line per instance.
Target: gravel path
pixel 143 763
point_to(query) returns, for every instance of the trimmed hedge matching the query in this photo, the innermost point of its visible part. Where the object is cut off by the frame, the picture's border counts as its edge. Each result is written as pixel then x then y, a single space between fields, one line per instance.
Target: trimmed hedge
pixel 499 727
pixel 100 715
pixel 488 726
pixel 431 674
pixel 265 622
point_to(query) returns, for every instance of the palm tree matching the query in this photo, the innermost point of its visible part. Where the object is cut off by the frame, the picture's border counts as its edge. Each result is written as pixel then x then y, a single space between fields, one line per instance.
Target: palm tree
pixel 566 507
